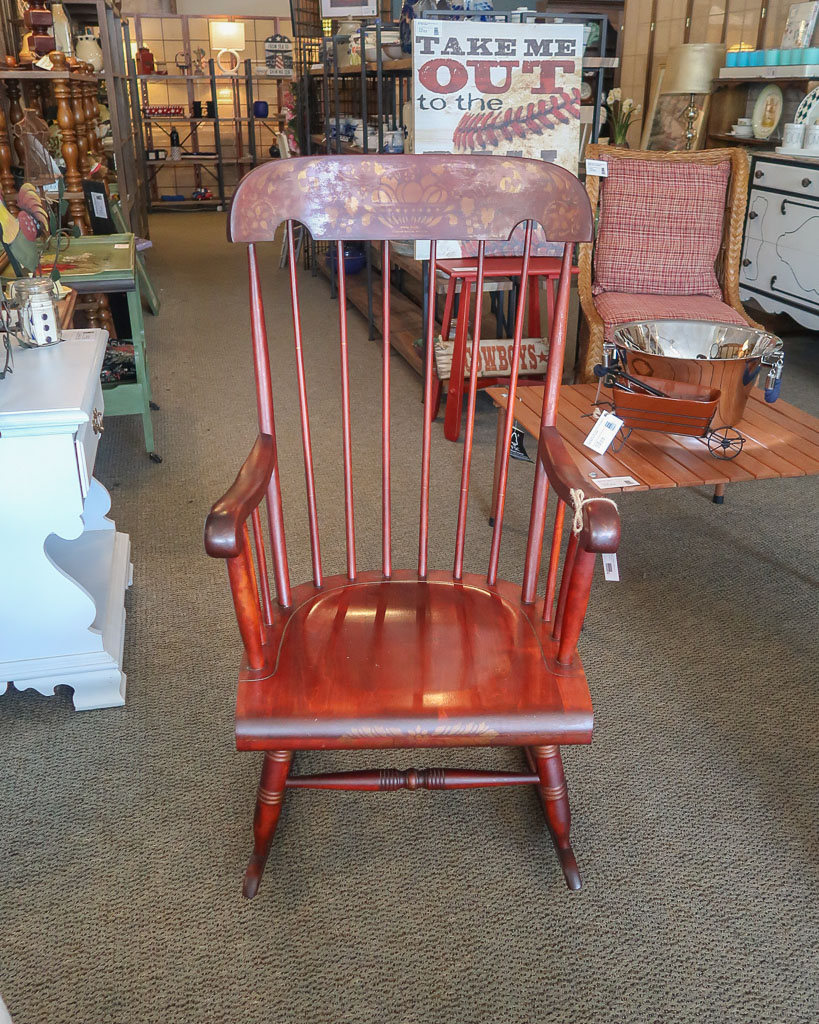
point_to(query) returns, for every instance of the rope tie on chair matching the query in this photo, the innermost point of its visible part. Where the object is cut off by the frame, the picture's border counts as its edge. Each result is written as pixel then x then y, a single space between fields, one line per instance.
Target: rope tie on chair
pixel 579 502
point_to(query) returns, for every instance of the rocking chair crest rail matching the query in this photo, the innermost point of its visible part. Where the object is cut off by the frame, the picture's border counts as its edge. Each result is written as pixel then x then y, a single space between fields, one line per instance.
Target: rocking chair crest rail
pixel 409 657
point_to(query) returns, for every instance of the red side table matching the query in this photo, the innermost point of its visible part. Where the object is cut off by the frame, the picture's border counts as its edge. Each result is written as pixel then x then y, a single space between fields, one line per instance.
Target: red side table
pixel 466 271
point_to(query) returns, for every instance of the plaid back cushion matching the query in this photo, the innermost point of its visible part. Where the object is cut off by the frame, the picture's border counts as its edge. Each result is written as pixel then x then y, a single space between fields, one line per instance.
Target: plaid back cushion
pixel 660 227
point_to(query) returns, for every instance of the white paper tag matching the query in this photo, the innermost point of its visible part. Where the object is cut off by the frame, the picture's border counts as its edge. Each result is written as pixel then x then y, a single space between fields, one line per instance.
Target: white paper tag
pixel 45 63
pixel 427 27
pixel 51 186
pixel 597 168
pixel 603 432
pixel 605 483
pixel 98 202
pixel 121 245
pixel 610 569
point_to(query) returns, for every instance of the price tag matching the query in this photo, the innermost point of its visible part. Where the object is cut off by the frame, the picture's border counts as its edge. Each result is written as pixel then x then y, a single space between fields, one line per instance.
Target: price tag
pixel 597 168
pixel 605 483
pixel 427 27
pixel 610 569
pixel 603 432
pixel 98 202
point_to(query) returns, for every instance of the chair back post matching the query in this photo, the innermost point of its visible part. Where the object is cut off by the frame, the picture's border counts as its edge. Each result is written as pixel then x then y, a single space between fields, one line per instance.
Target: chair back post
pixel 497 529
pixel 548 417
pixel 267 425
pixel 426 442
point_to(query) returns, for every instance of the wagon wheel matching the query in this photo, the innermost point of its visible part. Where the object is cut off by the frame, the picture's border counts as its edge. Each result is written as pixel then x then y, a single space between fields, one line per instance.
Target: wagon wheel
pixel 725 442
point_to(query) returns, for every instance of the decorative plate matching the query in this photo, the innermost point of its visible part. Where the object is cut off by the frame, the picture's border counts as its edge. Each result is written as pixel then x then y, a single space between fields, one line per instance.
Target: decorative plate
pixel 808 110
pixel 767 111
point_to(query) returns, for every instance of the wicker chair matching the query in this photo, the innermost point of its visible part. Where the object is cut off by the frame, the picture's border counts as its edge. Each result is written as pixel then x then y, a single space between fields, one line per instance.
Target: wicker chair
pixel 727 264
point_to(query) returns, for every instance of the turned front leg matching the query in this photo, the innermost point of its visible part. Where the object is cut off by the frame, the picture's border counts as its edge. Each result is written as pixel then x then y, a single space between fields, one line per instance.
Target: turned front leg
pixel 555 800
pixel 269 799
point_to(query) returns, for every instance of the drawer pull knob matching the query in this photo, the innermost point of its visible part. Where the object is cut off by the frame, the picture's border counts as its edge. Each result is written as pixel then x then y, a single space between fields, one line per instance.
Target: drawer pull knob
pixel 759 174
pixel 746 263
pixel 805 182
pixel 96 422
pixel 753 215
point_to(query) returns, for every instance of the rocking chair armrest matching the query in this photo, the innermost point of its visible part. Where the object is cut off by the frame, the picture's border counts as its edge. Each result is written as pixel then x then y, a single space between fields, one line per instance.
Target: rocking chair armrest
pixel 224 526
pixel 601 520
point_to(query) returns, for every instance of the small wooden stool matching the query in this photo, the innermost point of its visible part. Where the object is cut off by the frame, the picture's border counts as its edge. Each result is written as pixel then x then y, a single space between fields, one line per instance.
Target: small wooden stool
pixel 466 271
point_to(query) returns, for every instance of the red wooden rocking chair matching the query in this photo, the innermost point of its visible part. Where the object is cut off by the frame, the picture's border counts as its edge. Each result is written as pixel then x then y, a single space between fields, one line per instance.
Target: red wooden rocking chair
pixel 393 657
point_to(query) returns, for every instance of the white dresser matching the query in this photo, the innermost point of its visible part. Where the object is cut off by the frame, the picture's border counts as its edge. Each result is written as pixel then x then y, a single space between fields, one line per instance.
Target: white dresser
pixel 780 255
pixel 64 568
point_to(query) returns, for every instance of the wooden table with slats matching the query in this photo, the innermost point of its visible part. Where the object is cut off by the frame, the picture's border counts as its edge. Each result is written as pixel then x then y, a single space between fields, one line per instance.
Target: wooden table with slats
pixel 780 441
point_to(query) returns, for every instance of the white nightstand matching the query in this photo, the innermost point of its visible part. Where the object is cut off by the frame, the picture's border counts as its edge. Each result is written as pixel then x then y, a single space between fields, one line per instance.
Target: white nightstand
pixel 64 568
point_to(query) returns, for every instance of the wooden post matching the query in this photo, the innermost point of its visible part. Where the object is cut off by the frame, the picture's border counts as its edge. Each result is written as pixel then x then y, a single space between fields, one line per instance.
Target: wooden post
pixel 78 106
pixel 15 116
pixel 65 119
pixel 6 177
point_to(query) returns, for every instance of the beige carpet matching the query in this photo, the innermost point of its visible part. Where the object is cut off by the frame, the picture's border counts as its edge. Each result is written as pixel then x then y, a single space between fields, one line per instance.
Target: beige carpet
pixel 124 833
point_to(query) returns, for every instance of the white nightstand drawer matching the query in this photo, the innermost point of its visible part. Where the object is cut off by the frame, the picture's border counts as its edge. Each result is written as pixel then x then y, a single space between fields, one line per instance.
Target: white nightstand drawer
pixel 88 438
pixel 787 177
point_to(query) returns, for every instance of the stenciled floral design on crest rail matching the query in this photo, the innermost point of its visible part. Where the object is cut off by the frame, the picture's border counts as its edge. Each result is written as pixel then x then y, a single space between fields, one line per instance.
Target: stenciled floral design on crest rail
pixel 408 197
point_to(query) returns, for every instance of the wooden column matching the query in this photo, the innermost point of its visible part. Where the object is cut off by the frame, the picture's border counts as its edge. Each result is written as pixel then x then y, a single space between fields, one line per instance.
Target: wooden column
pixel 6 177
pixel 15 117
pixel 65 119
pixel 78 106
pixel 92 109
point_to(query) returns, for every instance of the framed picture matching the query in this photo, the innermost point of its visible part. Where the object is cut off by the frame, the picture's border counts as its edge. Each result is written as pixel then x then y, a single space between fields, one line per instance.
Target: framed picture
pixel 800 25
pixel 651 106
pixel 348 9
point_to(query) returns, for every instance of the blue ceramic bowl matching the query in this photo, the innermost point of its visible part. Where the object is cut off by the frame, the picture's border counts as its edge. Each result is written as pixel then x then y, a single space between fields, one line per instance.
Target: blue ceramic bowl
pixel 354 259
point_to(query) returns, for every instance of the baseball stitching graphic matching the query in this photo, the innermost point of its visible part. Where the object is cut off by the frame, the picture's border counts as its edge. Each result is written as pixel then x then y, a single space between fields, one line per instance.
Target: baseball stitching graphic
pixel 490 129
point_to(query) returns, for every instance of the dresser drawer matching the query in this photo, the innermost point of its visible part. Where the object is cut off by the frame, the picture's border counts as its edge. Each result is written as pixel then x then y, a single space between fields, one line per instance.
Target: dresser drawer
pixel 778 270
pixel 787 177
pixel 88 438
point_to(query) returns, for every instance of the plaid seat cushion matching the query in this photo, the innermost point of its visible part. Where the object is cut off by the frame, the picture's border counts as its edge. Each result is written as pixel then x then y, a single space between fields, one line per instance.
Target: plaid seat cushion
pixel 615 308
pixel 660 227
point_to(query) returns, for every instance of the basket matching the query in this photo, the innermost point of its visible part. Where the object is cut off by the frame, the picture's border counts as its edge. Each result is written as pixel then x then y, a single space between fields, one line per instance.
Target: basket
pixel 683 408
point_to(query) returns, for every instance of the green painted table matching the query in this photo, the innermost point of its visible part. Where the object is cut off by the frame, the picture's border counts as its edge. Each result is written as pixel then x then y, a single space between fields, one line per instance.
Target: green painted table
pixel 104 264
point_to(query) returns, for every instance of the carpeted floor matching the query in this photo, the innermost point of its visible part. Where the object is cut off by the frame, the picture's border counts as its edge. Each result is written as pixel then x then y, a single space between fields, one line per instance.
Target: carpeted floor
pixel 124 833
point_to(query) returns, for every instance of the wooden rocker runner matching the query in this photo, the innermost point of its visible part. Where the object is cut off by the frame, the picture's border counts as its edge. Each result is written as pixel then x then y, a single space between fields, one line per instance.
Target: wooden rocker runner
pixel 408 657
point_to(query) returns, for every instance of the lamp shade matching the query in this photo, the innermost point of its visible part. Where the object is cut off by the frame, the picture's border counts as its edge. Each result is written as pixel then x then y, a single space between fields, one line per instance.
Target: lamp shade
pixel 227 35
pixel 692 67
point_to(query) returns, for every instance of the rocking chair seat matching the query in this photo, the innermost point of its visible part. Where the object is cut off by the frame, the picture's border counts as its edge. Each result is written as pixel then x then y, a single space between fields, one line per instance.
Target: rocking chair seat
pixel 408 663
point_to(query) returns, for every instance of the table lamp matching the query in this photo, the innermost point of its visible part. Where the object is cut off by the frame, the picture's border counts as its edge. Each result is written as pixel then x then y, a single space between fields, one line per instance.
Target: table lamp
pixel 691 70
pixel 227 37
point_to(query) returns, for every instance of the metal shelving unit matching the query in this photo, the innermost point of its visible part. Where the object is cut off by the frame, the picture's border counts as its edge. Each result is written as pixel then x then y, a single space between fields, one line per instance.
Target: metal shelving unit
pixel 232 141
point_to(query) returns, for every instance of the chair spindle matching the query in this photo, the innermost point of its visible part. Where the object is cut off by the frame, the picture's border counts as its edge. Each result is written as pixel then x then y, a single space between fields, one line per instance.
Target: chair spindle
pixel 557 341
pixel 307 446
pixel 554 558
pixel 349 517
pixel 246 602
pixel 423 530
pixel 267 424
pixel 575 610
pixel 463 500
pixel 554 373
pixel 261 561
pixel 494 553
pixel 386 500
pixel 565 584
